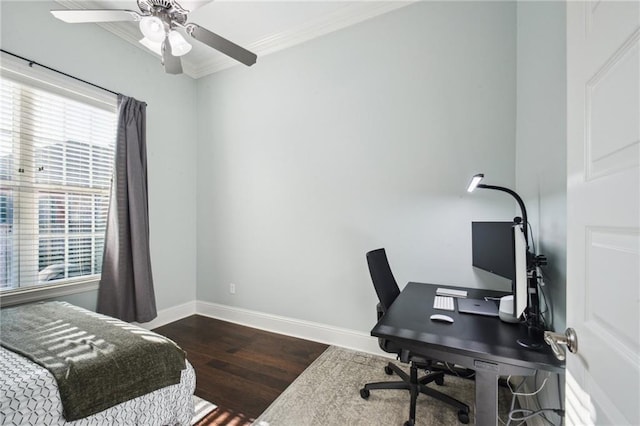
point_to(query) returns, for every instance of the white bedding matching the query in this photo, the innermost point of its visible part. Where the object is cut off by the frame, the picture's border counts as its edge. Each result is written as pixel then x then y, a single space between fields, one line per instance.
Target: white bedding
pixel 29 396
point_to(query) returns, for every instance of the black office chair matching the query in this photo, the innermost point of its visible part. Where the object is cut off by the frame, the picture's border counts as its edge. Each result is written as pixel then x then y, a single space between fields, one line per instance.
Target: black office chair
pixel 387 290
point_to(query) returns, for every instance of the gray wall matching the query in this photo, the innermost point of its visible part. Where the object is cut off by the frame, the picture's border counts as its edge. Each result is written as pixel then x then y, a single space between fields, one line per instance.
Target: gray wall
pixel 89 52
pixel 541 172
pixel 360 139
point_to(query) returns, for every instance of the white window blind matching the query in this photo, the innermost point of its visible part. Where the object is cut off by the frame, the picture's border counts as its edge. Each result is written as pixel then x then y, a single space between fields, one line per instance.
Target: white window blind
pixel 56 160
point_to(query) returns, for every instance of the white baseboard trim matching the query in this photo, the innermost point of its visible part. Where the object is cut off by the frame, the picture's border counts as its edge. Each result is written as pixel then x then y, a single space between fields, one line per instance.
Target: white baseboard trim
pixel 308 330
pixel 174 313
pixel 301 329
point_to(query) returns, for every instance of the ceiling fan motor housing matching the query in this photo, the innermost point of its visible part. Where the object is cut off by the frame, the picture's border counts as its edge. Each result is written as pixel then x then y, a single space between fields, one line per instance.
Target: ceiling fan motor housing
pixel 164 9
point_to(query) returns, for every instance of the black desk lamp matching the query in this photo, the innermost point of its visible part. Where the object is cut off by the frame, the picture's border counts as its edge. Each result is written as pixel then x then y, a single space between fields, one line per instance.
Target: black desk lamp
pixel 475 183
pixel 536 330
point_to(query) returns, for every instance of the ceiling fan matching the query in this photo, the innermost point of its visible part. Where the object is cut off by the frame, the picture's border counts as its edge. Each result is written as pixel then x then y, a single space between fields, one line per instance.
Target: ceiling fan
pixel 159 21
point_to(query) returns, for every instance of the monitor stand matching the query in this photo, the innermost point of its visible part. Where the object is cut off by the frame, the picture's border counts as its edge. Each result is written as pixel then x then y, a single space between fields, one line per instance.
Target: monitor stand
pixel 535 329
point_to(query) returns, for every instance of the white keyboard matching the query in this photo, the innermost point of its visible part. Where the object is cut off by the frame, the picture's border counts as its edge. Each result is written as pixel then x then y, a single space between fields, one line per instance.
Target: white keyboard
pixel 443 302
pixel 451 292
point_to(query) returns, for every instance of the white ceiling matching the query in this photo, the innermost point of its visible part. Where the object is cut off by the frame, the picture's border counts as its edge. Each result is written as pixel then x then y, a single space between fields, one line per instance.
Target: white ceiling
pixel 262 26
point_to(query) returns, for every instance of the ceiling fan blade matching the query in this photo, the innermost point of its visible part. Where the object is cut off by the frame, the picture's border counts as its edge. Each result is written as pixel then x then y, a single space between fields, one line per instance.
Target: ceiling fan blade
pixel 192 5
pixel 172 64
pixel 222 44
pixel 96 15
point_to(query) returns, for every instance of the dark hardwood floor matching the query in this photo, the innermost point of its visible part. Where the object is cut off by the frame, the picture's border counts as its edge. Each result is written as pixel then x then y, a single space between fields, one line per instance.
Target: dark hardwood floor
pixel 240 369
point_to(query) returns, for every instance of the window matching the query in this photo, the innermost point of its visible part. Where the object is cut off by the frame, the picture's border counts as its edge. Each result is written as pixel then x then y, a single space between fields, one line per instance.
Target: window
pixel 57 146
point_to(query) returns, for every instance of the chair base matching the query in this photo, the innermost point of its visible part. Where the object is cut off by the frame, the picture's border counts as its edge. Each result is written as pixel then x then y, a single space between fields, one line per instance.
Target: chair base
pixel 415 386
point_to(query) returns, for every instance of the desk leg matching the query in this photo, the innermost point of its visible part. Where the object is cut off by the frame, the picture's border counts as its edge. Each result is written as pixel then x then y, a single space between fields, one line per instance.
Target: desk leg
pixel 486 396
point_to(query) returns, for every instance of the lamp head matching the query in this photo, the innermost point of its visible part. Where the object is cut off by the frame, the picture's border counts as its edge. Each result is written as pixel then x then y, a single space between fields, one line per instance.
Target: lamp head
pixel 475 180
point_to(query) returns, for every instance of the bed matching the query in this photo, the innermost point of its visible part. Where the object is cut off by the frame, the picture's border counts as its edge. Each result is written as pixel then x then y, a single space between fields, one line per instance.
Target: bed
pixel 37 387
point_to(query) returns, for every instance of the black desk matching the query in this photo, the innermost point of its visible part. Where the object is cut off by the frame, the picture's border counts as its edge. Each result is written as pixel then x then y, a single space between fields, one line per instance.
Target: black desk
pixel 485 344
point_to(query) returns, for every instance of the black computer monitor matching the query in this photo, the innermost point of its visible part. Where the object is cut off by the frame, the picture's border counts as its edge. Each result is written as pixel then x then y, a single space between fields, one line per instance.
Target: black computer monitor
pixel 500 248
pixel 493 248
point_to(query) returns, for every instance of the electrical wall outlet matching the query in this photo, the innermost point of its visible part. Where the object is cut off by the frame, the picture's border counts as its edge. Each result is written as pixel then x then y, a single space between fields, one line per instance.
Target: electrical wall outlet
pixel 232 288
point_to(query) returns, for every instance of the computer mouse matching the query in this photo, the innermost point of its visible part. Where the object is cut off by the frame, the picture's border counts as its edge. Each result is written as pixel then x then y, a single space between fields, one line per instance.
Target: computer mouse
pixel 440 317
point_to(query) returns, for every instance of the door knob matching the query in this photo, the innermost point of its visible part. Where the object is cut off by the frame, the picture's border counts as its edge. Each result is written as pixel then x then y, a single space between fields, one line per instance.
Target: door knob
pixel 569 338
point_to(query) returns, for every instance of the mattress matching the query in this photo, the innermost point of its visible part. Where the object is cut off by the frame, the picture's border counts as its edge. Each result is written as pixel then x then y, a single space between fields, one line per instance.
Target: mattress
pixel 29 396
pixel 97 361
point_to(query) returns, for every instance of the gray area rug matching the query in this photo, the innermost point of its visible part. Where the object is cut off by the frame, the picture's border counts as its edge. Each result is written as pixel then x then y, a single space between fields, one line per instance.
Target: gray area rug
pixel 328 393
pixel 201 409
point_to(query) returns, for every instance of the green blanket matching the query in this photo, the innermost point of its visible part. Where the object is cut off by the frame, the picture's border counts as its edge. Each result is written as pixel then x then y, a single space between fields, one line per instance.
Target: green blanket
pixel 97 361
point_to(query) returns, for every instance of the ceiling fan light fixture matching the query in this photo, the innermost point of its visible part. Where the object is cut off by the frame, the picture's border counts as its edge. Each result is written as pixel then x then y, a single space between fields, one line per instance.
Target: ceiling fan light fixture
pixel 164 26
pixel 153 28
pixel 179 46
pixel 152 45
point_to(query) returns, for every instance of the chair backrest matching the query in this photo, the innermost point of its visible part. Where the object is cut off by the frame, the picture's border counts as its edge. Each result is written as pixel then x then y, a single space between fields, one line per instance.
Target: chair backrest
pixel 382 277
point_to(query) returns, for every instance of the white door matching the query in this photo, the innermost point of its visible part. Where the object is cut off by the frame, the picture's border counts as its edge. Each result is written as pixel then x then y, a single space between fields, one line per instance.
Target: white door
pixel 603 207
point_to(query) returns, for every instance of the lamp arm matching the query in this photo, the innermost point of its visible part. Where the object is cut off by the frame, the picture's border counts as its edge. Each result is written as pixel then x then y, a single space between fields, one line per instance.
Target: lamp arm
pixel 520 203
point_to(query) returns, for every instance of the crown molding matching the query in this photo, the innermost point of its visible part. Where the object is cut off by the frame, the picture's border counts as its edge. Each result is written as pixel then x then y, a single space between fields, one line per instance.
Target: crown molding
pixel 351 14
pixel 346 16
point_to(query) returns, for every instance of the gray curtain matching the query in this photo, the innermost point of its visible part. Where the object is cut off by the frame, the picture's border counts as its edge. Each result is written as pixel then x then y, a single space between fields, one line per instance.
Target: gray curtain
pixel 126 287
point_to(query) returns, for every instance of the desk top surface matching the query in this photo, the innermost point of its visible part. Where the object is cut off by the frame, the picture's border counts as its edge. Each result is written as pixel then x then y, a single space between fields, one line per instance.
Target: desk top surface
pixel 470 335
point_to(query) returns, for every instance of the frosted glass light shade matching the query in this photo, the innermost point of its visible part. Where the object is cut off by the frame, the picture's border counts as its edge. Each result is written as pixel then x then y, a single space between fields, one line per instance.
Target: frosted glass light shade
pixel 153 28
pixel 179 45
pixel 152 46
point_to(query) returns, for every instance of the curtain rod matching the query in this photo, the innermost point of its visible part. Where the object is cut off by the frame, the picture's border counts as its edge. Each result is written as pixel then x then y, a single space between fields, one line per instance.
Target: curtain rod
pixel 32 63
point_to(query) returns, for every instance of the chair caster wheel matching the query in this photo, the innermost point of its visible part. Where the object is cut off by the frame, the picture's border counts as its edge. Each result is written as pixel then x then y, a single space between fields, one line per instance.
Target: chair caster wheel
pixel 463 417
pixel 409 423
pixel 388 370
pixel 364 393
pixel 439 381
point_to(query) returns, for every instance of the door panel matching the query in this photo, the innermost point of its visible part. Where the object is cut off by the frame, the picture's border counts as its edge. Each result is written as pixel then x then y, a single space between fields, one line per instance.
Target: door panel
pixel 603 207
pixel 613 107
